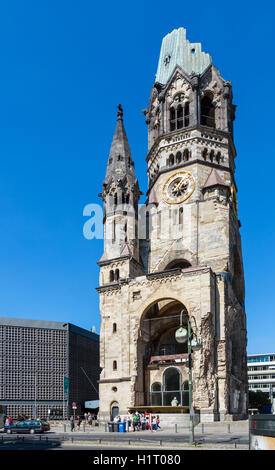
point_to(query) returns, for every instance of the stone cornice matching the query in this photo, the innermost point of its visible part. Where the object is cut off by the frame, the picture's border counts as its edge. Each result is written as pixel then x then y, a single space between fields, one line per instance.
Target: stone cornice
pixel 110 381
pixel 182 132
pixel 151 278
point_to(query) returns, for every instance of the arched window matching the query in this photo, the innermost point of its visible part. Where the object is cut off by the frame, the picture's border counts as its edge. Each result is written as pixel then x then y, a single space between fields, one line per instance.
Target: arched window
pixel 111 276
pixel 204 154
pixel 186 114
pixel 178 158
pixel 207 112
pixel 115 200
pixel 171 379
pixel 211 155
pixel 176 118
pixel 114 365
pixel 171 392
pixel 172 119
pixel 218 157
pixel 171 387
pixel 156 387
pixel 125 232
pixel 171 160
pixel 186 155
pixel 114 328
pixel 178 263
pixel 116 275
pixel 179 112
pixel 180 215
pixel 156 394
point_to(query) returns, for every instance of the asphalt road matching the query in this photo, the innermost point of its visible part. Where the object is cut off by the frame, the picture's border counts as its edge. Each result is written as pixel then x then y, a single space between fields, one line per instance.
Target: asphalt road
pixel 55 440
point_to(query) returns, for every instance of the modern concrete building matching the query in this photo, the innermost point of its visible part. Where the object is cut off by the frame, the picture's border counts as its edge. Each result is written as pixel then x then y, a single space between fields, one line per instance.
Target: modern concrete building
pixel 261 373
pixel 35 356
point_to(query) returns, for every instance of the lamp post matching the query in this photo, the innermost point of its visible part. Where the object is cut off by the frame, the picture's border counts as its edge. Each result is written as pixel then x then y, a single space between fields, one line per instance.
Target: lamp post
pixel 183 335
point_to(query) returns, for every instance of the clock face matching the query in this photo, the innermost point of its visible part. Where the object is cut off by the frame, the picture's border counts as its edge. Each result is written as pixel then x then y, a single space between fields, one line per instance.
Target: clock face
pixel 178 187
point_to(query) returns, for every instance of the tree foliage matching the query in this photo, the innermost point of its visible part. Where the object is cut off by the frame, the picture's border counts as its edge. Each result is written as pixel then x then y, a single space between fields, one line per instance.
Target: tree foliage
pixel 258 400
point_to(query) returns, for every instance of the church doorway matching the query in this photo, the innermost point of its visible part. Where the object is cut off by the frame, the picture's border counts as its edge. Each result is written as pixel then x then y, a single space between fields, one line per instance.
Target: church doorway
pixel 114 411
pixel 165 361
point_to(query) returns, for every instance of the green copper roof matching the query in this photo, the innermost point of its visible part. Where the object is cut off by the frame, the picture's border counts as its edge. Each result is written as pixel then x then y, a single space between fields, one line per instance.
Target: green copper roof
pixel 177 50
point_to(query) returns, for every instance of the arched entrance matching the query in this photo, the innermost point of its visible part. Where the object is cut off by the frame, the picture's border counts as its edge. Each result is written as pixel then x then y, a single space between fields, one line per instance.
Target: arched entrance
pixel 163 379
pixel 114 410
pixel 172 391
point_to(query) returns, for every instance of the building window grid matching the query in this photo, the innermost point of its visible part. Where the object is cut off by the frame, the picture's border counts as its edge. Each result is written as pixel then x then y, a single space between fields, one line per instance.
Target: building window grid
pixel 30 349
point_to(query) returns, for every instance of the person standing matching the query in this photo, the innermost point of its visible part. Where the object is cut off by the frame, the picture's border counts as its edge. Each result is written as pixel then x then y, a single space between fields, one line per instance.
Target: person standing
pixel 143 422
pixel 135 422
pixel 78 422
pixel 72 423
pixel 154 424
pixel 158 421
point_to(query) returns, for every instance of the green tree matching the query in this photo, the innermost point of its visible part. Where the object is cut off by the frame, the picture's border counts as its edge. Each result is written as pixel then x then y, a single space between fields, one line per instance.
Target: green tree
pixel 258 400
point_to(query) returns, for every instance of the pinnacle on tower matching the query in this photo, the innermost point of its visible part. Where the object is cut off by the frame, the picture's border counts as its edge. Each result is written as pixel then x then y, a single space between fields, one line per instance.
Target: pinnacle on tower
pixel 120 163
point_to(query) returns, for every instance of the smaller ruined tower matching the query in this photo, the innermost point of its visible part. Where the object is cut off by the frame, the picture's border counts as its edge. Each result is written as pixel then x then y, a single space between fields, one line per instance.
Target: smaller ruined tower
pixel 120 195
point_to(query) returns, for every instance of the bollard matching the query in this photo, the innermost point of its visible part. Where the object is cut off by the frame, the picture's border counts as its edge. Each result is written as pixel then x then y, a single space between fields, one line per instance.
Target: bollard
pixel 84 427
pixel 228 428
pixel 202 428
pixel 105 427
pixel 176 428
pixel 64 427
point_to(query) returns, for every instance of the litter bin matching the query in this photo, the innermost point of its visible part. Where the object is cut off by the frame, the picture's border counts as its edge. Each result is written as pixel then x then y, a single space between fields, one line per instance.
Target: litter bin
pixel 116 427
pixel 122 427
pixel 111 427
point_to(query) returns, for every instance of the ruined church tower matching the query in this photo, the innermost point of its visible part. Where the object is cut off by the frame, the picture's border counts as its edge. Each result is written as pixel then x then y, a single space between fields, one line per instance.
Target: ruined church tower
pixel 177 256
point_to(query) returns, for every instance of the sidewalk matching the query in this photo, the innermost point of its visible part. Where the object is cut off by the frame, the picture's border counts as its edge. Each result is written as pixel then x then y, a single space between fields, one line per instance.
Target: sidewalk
pixel 229 427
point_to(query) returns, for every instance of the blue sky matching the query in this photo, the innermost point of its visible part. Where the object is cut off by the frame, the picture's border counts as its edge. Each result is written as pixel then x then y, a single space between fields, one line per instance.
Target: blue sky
pixel 64 67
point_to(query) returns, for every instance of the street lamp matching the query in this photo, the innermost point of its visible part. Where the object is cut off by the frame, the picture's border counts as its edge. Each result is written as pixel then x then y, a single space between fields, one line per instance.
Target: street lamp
pixel 193 342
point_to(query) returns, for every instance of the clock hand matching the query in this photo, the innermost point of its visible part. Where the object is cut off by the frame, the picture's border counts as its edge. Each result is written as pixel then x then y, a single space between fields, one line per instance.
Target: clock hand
pixel 178 187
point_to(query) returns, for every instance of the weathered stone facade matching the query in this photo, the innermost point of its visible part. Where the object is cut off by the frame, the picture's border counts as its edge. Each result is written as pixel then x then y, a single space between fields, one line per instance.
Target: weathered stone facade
pixel 181 251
